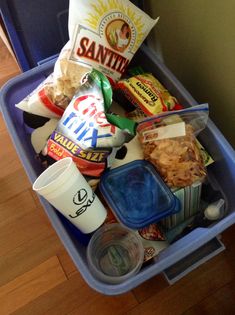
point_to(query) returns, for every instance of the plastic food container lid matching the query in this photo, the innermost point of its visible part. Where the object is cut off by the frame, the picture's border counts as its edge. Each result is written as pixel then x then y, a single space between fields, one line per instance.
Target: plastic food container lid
pixel 137 194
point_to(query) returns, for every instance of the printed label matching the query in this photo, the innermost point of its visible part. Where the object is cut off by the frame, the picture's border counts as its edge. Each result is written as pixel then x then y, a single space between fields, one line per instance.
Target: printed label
pixel 87 122
pixel 166 132
pixel 108 34
pixel 90 162
pixel 146 92
pixel 104 49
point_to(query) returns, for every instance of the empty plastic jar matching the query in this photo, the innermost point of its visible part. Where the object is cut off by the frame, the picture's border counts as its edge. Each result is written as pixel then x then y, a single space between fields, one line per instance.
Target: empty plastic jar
pixel 115 253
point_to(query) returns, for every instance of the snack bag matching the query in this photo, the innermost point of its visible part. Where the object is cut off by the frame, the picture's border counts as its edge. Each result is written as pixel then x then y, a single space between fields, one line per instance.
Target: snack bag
pixel 105 34
pixel 169 143
pixel 147 94
pixel 39 102
pixel 87 132
pixel 54 94
pixel 68 77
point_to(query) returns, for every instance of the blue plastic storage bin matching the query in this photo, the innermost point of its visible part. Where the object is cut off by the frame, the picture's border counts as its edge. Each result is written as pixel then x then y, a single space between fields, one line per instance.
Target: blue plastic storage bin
pixel 221 174
pixel 37 29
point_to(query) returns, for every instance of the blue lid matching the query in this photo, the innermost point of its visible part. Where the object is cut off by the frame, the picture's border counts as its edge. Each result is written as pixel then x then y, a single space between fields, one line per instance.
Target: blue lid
pixel 137 194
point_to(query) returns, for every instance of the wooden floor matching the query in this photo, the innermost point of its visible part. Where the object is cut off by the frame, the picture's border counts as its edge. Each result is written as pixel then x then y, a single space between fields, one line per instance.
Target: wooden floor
pixel 38 277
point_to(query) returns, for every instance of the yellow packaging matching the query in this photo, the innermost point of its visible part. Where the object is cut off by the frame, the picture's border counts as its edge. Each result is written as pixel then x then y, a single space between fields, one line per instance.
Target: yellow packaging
pixel 144 91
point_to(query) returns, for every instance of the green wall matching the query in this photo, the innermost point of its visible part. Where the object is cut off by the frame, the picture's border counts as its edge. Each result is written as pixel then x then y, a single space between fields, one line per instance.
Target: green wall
pixel 197 41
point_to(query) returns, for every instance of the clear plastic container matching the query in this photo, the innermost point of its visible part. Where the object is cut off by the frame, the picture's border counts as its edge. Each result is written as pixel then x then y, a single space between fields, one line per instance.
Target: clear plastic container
pixel 114 253
pixel 137 194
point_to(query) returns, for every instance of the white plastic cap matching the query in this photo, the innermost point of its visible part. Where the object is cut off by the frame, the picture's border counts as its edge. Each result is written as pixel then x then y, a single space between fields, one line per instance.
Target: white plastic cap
pixel 215 210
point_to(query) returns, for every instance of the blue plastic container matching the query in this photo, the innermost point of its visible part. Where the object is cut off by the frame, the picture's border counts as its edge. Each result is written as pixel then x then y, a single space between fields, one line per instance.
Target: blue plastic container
pixel 137 194
pixel 37 29
pixel 221 173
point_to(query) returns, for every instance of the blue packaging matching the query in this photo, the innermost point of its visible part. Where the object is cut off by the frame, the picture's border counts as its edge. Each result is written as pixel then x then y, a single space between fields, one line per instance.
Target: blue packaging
pixel 137 194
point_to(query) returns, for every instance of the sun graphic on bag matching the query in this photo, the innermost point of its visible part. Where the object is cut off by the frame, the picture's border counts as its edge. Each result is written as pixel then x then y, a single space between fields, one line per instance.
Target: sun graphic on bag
pixel 120 24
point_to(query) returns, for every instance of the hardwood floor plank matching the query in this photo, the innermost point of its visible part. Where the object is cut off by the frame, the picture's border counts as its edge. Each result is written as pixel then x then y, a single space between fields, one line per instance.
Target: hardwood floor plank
pixel 9 160
pixel 106 305
pixel 14 209
pixel 23 252
pixel 188 291
pixel 8 66
pixel 27 287
pixel 36 199
pixel 68 266
pixel 60 300
pixel 40 208
pixel 2 123
pixel 13 178
pixel 27 227
pixel 28 255
pixel 75 297
pixel 63 256
pixel 8 77
pixel 222 302
pixel 13 184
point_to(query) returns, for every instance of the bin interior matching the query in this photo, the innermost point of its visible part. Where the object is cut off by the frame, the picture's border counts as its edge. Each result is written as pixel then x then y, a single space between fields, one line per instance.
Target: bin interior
pixel 221 173
pixel 37 29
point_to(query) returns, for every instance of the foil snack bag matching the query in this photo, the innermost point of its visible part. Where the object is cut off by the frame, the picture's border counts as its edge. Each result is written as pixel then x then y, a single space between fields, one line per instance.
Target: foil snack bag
pixel 105 34
pixel 87 132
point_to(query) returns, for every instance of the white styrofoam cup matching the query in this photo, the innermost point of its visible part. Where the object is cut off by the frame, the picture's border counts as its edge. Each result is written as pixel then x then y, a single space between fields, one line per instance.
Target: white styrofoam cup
pixel 67 190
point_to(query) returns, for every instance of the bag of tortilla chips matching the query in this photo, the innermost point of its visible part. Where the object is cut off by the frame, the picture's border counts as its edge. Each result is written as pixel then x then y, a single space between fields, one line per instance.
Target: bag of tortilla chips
pixel 105 34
